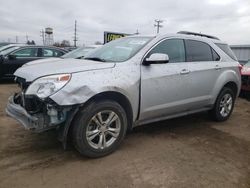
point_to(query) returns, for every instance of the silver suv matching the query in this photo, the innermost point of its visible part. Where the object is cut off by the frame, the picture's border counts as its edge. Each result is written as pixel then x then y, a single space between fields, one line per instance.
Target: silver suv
pixel 128 82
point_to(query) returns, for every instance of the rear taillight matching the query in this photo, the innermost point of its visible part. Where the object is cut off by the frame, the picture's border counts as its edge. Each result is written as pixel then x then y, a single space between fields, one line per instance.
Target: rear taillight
pixel 240 67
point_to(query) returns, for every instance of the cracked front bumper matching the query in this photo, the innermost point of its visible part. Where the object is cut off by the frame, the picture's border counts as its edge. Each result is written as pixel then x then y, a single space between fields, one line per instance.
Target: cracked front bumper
pixel 30 122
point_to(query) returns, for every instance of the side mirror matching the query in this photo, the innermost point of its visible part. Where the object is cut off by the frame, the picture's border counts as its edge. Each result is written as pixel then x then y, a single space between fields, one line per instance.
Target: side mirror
pixel 11 57
pixel 156 58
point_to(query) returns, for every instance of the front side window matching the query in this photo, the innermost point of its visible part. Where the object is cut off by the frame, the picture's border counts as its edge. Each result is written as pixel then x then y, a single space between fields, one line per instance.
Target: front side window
pixel 27 52
pixel 198 51
pixel 174 48
pixel 118 50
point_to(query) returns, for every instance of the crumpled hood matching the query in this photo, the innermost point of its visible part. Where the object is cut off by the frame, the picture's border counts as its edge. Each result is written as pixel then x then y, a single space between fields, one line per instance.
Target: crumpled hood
pixel 34 71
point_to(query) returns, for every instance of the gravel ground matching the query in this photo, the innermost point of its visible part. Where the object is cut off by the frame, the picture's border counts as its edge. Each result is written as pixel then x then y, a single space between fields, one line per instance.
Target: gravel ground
pixel 191 151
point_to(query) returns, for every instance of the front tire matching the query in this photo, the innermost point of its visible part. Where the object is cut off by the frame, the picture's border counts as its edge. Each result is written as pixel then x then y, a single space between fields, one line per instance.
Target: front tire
pixel 99 128
pixel 224 105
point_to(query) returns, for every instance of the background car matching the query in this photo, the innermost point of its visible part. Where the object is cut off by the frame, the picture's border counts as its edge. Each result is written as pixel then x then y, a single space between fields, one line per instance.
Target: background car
pixel 245 77
pixel 12 59
pixel 78 53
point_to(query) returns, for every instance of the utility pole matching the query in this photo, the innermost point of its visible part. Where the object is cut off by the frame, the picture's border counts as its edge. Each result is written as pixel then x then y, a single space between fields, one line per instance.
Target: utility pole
pixel 42 34
pixel 75 38
pixel 27 38
pixel 158 24
pixel 137 32
pixel 16 39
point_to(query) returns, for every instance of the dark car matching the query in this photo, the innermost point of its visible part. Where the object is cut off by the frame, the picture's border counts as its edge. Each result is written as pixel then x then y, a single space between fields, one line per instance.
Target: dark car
pixel 11 60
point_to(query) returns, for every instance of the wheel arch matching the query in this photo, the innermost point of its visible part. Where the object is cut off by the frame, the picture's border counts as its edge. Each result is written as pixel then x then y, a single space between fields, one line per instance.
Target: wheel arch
pixel 117 97
pixel 65 131
pixel 232 85
pixel 228 78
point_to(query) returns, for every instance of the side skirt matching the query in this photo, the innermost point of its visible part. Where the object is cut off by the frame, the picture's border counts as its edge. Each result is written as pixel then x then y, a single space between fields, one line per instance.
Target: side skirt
pixel 162 118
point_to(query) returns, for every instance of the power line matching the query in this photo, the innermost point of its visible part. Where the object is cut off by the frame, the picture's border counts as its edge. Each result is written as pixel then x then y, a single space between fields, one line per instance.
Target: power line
pixel 158 24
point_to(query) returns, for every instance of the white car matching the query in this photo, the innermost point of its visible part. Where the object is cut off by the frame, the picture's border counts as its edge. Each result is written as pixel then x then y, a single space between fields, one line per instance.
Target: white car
pixel 128 82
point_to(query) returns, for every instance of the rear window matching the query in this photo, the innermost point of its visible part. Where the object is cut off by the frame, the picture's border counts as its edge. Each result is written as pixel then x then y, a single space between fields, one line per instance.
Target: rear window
pixel 51 52
pixel 227 50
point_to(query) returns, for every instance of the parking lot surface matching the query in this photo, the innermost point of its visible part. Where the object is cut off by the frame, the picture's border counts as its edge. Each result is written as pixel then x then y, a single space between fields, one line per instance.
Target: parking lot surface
pixel 191 151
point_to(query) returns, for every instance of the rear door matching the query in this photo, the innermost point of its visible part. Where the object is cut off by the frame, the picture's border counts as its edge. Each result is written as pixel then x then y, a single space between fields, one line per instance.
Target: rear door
pixel 164 87
pixel 19 57
pixel 204 65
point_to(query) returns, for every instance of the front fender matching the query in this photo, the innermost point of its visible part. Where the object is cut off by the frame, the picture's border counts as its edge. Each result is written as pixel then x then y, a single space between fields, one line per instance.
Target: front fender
pixel 85 85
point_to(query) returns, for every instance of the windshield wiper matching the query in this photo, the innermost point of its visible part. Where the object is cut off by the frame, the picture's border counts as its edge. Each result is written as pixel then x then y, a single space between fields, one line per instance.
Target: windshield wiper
pixel 95 59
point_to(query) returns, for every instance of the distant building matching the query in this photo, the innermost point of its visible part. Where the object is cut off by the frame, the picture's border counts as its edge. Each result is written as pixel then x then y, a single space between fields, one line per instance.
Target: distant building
pixel 242 52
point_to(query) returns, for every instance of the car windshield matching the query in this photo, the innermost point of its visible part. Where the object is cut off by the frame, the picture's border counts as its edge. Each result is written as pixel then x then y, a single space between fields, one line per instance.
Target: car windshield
pixel 7 51
pixel 5 47
pixel 3 44
pixel 77 53
pixel 247 64
pixel 119 50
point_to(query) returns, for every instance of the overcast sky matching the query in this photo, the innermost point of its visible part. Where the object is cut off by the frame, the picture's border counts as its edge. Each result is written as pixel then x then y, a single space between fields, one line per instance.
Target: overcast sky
pixel 227 19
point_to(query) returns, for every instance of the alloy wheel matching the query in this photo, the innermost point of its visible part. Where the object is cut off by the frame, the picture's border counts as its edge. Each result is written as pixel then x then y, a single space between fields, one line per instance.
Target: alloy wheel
pixel 103 129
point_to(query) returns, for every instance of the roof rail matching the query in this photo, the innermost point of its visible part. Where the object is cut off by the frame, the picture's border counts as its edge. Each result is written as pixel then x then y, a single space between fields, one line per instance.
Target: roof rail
pixel 198 34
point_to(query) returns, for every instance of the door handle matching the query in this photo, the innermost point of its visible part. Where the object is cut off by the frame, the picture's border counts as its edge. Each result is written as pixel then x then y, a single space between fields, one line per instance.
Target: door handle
pixel 184 71
pixel 217 67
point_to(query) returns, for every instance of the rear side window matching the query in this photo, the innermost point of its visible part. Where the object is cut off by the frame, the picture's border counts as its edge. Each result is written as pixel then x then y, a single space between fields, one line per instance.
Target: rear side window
pixel 198 51
pixel 174 48
pixel 58 53
pixel 46 52
pixel 227 50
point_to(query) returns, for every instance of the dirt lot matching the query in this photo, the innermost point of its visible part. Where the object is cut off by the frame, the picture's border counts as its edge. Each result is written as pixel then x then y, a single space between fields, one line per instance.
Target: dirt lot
pixel 191 151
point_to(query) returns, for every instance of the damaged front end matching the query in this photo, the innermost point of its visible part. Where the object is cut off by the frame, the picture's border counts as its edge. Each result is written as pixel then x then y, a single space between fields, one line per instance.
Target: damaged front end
pixel 34 113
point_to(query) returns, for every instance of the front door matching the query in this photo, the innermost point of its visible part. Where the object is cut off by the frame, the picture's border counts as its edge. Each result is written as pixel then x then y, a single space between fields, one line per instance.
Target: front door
pixel 165 87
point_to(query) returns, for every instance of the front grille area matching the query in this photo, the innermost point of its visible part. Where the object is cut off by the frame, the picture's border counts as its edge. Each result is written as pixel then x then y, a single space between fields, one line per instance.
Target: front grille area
pixel 245 80
pixel 31 103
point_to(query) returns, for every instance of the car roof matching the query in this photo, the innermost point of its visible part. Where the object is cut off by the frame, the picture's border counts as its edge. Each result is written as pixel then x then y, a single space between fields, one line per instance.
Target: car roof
pixel 40 46
pixel 183 36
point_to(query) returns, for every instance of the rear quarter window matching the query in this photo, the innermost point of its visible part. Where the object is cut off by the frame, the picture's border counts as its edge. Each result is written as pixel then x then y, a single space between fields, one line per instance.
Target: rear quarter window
pixel 227 50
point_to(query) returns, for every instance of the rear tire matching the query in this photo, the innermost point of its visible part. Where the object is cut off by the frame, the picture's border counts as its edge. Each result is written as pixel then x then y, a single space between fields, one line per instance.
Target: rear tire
pixel 224 105
pixel 99 128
